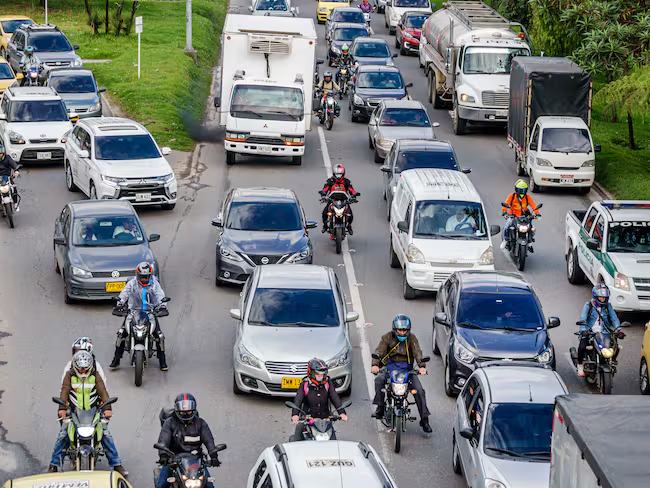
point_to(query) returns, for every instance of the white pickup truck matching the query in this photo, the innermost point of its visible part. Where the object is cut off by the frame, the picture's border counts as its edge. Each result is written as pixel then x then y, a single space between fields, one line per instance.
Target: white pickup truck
pixel 610 242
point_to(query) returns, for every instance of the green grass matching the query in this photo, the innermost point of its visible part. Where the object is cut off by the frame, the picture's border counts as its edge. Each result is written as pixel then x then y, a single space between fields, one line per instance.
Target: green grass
pixel 170 82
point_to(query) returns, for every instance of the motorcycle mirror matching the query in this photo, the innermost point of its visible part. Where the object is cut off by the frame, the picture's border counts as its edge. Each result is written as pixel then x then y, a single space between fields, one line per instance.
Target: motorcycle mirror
pixel 467 433
pixel 347 404
pixel 59 401
pixel 426 359
pixel 503 204
pixel 376 356
pixel 540 205
pixel 166 299
pixel 436 124
pixel 320 61
pixel 581 322
pixel 626 324
pixel 291 405
pixel 162 447
pixel 108 402
pixel 220 447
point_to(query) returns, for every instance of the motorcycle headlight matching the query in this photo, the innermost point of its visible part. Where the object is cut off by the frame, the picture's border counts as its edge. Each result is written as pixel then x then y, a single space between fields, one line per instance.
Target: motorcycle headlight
pixel 493 484
pixel 85 431
pixel 245 357
pixel 94 108
pixel 330 100
pixel 321 436
pixel 399 389
pixel 339 211
pixel 193 483
pixel 5 188
pixel 16 138
pixel 336 50
pixel 621 281
pixel 341 359
pixel 487 257
pixel 33 75
pixel 82 273
pixel 463 354
pixel 545 356
pixel 543 162
pixel 228 253
pixel 77 62
pixel 589 164
pixel 522 228
pixel 464 97
pixel 607 352
pixel 304 253
pixel 358 100
pixel 414 255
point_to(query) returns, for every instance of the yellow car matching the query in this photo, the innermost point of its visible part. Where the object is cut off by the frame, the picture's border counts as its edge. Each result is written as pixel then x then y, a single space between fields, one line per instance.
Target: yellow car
pixel 7 76
pixel 71 479
pixel 8 24
pixel 644 378
pixel 325 7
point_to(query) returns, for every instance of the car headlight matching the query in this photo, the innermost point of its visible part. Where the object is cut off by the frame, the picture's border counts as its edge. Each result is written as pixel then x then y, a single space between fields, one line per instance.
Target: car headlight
pixel 463 354
pixel 545 356
pixel 244 356
pixel 386 142
pixel 341 359
pixel 390 62
pixel 406 34
pixel 228 253
pixel 112 179
pixel 168 178
pixel 464 97
pixel 322 9
pixel 607 352
pixel 304 253
pixel 487 257
pixel 493 483
pixel 414 255
pixel 82 273
pixel 399 389
pixel 358 100
pixel 621 281
pixel 589 164
pixel 77 62
pixel 94 108
pixel 543 162
pixel 16 138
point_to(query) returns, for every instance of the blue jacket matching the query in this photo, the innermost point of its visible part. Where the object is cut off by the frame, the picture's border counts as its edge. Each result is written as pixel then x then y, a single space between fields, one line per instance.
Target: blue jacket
pixel 608 317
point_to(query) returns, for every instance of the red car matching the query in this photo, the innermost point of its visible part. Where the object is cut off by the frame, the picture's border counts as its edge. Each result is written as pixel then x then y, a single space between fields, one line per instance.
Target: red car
pixel 409 29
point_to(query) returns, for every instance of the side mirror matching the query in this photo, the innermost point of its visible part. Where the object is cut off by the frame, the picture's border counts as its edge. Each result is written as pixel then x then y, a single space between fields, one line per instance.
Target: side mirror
pixel 75 47
pixel 540 205
pixel 426 359
pixel 235 313
pixel 320 61
pixel 311 224
pixel 166 151
pixel 217 102
pixel 626 324
pixel 553 322
pixel 410 85
pixel 352 317
pixel 375 356
pixel 395 55
pixel 154 237
pixel 436 124
pixel 102 90
pixel 217 222
pixel 593 244
pixel 109 401
pixel 84 154
pixel 495 229
pixel 597 148
pixel 166 299
pixel 161 447
pixel 466 170
pixel 385 168
pixel 467 433
pixel 220 447
pixel 59 241
pixel 350 83
pixel 504 204
pixel 402 226
pixel 250 8
pixel 441 318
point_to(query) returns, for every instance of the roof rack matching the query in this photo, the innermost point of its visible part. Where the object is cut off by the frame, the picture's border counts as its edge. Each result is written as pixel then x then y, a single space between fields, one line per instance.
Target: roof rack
pixel 281 455
pixel 39 27
pixel 370 456
pixel 523 364
pixel 477 14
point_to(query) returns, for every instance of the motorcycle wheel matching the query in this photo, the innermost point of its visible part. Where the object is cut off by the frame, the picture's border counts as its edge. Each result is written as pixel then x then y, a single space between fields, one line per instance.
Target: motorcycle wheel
pixel 139 367
pixel 85 463
pixel 397 445
pixel 605 383
pixel 9 212
pixel 329 122
pixel 338 239
pixel 521 258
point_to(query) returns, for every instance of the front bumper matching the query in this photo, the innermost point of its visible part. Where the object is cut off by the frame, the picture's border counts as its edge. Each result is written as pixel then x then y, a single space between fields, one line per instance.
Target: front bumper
pixel 87 114
pixel 425 277
pixel 545 176
pixel 322 16
pixel 630 301
pixel 237 272
pixel 142 194
pixel 478 114
pixel 411 45
pixel 264 149
pixel 383 150
pixel 90 288
pixel 364 110
pixel 29 153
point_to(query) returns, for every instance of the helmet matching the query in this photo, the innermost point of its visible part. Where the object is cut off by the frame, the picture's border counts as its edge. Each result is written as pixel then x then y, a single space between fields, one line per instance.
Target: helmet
pixel 600 291
pixel 327 74
pixel 339 171
pixel 317 366
pixel 521 188
pixel 185 407
pixel 401 322
pixel 82 362
pixel 29 50
pixel 82 344
pixel 2 147
pixel 345 48
pixel 143 272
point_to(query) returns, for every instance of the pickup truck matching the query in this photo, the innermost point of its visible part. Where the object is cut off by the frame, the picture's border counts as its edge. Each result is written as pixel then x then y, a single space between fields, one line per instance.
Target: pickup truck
pixel 610 243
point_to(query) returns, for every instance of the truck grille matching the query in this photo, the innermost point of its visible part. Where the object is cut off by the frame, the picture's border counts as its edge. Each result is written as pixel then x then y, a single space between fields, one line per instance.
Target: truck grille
pixel 274 141
pixel 78 110
pixel 440 278
pixel 642 284
pixel 291 369
pixel 29 155
pixel 496 99
pixel 57 64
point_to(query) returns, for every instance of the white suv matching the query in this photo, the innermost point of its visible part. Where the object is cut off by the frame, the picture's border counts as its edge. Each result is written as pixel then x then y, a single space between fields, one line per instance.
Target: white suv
pixel 33 121
pixel 115 158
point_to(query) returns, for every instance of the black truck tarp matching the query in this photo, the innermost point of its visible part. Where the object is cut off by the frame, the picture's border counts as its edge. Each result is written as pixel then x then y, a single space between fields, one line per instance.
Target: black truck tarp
pixel 559 87
pixel 613 433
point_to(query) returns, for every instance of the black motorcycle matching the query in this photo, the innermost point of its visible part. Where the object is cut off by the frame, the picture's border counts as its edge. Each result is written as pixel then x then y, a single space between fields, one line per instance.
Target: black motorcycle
pixel 317 429
pixel 598 364
pixel 85 431
pixel 520 235
pixel 140 334
pixel 338 203
pixel 343 75
pixel 188 468
pixel 328 110
pixel 398 405
pixel 7 192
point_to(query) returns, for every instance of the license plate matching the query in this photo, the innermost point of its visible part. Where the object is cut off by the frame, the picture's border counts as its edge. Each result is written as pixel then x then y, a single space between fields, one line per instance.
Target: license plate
pixel 115 286
pixel 329 463
pixel 44 155
pixel 265 149
pixel 502 113
pixel 566 181
pixel 143 197
pixel 291 383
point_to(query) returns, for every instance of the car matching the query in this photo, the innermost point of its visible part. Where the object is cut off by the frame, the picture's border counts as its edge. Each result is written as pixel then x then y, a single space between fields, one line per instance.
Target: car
pixel 371 85
pixel 488 315
pixel 371 50
pixel 348 15
pixel 644 377
pixel 33 124
pixel 273 8
pixel 503 425
pixel 51 47
pixel 409 30
pixel 302 306
pixel 7 76
pixel 325 7
pixel 396 8
pixel 408 154
pixel 8 25
pixel 343 33
pixel 97 245
pixel 78 89
pixel 324 464
pixel 397 119
pixel 86 479
pixel 117 158
pixel 259 226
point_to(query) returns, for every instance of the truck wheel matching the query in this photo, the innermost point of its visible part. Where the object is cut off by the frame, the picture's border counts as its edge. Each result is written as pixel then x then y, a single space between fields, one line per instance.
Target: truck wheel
pixel 409 293
pixel 429 89
pixel 521 170
pixel 296 160
pixel 438 103
pixel 584 190
pixel 230 158
pixel 573 271
pixel 460 125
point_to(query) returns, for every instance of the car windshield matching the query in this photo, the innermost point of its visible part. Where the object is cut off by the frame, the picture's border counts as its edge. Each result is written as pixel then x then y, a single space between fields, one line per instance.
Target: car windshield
pixel 500 311
pixel 349 33
pixel 566 140
pixel 73 83
pixel 412 3
pixel 5 72
pixel 10 26
pixel 37 111
pixel 271 5
pixel 106 231
pixel 371 50
pixel 351 16
pixel 449 219
pixel 380 80
pixel 264 216
pixel 425 159
pixel 267 102
pixel 490 60
pixel 49 42
pixel 412 117
pixel 520 430
pixel 291 307
pixel 629 237
pixel 119 148
pixel 415 21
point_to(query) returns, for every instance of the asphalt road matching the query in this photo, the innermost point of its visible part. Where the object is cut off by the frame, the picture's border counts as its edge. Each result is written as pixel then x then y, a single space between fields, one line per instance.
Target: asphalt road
pixel 37 328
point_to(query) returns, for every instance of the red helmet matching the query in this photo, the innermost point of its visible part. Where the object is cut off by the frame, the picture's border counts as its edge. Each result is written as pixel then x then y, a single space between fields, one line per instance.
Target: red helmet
pixel 339 171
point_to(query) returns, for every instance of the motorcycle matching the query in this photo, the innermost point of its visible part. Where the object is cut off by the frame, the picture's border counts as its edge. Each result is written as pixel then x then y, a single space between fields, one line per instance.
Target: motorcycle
pixel 31 75
pixel 85 431
pixel 520 235
pixel 398 406
pixel 327 112
pixel 188 468
pixel 366 16
pixel 338 205
pixel 316 74
pixel 141 328
pixel 317 429
pixel 598 363
pixel 7 191
pixel 343 76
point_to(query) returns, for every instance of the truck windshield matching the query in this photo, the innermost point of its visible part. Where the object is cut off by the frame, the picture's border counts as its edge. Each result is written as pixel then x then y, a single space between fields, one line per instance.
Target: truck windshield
pixel 490 60
pixel 267 102
pixel 449 219
pixel 566 140
pixel 412 3
pixel 629 237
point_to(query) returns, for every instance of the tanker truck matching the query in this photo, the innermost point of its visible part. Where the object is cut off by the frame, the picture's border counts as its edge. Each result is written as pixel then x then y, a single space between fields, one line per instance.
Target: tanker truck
pixel 466 50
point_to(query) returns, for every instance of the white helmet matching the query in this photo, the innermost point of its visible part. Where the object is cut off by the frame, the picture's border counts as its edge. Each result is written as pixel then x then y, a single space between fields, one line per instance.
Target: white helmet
pixel 82 362
pixel 82 344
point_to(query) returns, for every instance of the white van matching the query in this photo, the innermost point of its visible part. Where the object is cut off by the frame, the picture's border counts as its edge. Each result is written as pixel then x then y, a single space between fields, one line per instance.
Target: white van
pixel 437 226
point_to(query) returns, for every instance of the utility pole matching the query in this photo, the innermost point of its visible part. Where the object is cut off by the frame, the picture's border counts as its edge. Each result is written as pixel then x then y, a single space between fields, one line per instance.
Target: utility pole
pixel 188 26
pixel 45 12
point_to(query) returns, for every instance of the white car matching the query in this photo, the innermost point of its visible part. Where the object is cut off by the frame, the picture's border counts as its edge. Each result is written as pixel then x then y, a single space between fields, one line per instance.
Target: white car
pixel 33 121
pixel 116 158
pixel 394 10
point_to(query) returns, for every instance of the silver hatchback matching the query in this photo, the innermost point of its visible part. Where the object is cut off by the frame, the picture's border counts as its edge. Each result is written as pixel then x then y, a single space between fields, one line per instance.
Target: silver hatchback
pixel 287 316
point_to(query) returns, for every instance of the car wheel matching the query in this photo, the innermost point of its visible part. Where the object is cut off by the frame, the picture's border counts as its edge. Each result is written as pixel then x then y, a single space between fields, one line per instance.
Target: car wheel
pixel 348 390
pixel 230 157
pixel 296 161
pixel 69 179
pixel 385 22
pixel 57 270
pixel 66 296
pixel 584 190
pixel 235 388
pixel 644 380
pixel 396 42
pixel 455 456
pixel 449 391
pixel 378 158
pixel 370 145
pixel 217 281
pixel 408 292
pixel 534 187
pixel 573 270
pixel 394 261
pixel 434 340
pixel 92 193
pixel 168 206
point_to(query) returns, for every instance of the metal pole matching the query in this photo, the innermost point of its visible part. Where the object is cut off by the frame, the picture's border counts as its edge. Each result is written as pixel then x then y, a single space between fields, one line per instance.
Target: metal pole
pixel 46 12
pixel 138 55
pixel 188 25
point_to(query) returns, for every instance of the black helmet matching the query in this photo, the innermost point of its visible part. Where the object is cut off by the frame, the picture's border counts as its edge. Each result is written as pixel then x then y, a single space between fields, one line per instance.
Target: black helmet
pixel 185 407
pixel 143 273
pixel 401 322
pixel 317 366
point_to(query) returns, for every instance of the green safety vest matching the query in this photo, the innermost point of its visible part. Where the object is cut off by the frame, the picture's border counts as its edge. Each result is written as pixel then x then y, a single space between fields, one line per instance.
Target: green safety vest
pixel 83 394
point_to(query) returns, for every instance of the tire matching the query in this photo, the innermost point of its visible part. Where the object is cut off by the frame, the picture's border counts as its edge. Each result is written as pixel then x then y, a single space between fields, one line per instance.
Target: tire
pixel 397 445
pixel 86 463
pixel 296 161
pixel 394 261
pixel 449 390
pixel 455 456
pixel 338 239
pixel 438 103
pixel 378 158
pixel 402 51
pixel 644 382
pixel 66 297
pixel 460 125
pixel 235 388
pixel 397 43
pixel 605 383
pixel 57 269
pixel 521 171
pixel 230 158
pixel 534 187
pixel 92 193
pixel 521 258
pixel 385 21
pixel 370 145
pixel 168 206
pixel 69 180
pixel 574 272
pixel 434 343
pixel 420 62
pixel 353 118
pixel 9 212
pixel 348 391
pixel 391 31
pixel 321 21
pixel 584 190
pixel 429 89
pixel 409 293
pixel 389 204
pixel 139 367
pixel 329 123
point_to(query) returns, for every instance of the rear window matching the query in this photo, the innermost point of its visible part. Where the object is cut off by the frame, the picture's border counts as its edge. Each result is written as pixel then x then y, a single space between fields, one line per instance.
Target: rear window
pixel 349 16
pixel 349 33
pixel 519 311
pixel 405 117
pixel 287 307
pixel 425 159
pixel 371 50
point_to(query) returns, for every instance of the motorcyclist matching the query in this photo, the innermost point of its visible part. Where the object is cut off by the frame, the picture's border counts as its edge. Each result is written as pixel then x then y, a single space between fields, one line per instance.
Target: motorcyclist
pixel 401 348
pixel 365 6
pixel 343 60
pixel 84 344
pixel 184 432
pixel 313 397
pixel 28 61
pixel 338 182
pixel 596 313
pixel 328 86
pixel 519 201
pixel 9 168
pixel 141 292
pixel 84 389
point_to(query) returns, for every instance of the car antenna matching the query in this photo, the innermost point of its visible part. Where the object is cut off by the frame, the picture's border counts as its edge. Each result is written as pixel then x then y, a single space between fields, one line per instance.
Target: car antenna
pixel 530 394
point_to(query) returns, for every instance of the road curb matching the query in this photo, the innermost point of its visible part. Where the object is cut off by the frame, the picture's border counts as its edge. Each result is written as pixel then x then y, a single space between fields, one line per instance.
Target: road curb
pixel 602 191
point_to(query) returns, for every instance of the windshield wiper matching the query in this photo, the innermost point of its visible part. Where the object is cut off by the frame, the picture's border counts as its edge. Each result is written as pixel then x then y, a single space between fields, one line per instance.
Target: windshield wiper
pixel 536 454
pixel 505 451
pixel 469 325
pixel 519 329
pixel 248 112
pixel 294 117
pixel 302 324
pixel 262 322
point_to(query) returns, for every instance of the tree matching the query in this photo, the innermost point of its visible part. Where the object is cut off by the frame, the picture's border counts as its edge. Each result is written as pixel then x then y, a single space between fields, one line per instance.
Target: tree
pixel 548 30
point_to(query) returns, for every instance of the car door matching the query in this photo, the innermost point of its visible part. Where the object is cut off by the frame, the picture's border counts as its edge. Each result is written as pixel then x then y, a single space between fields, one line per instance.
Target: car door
pixel 84 164
pixel 62 229
pixel 585 255
pixel 72 155
pixel 449 305
pixel 373 123
pixel 533 146
pixel 441 307
pixel 4 109
pixel 390 180
pixel 476 413
pixel 469 416
pixel 405 237
pixel 597 234
pixel 15 50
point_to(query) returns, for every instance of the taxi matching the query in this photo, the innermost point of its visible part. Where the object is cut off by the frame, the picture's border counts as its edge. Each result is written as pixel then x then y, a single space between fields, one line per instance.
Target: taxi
pixel 325 7
pixel 71 479
pixel 8 24
pixel 7 76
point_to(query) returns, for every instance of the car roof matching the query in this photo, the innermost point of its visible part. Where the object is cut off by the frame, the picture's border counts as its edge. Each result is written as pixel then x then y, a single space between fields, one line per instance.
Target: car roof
pixel 101 208
pixel 298 276
pixel 371 39
pixel 105 126
pixel 263 194
pixel 492 282
pixel 349 25
pixel 437 183
pixel 561 122
pixel 348 9
pixel 78 479
pixel 374 68
pixel 425 145
pixel 14 17
pixel 522 384
pixel 626 210
pixel 70 69
pixel 402 104
pixel 33 93
pixel 40 28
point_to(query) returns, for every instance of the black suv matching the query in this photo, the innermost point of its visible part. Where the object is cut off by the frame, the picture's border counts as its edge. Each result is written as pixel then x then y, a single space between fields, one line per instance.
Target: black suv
pixel 51 47
pixel 488 316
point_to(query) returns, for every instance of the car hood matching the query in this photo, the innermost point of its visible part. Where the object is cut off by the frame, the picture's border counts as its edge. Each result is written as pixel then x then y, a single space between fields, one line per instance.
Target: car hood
pixel 293 344
pixel 35 130
pixel 4 84
pixel 388 61
pixel 264 242
pixel 631 264
pixel 517 473
pixel 68 56
pixel 504 344
pixel 441 250
pixel 413 31
pixel 393 133
pixel 396 93
pixel 96 259
pixel 139 168
pixel 79 100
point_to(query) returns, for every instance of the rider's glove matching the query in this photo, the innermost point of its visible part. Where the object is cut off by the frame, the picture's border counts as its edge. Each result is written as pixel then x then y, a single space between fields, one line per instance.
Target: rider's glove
pixel 214 461
pixel 164 460
pixel 505 214
pixel 538 216
pixel 620 334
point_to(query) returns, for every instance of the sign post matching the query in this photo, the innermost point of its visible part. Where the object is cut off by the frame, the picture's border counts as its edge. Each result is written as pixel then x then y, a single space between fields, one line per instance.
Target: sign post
pixel 45 12
pixel 138 30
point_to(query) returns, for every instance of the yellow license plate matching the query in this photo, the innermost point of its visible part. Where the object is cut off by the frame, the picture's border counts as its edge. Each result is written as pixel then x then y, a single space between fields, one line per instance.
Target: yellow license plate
pixel 115 286
pixel 291 383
